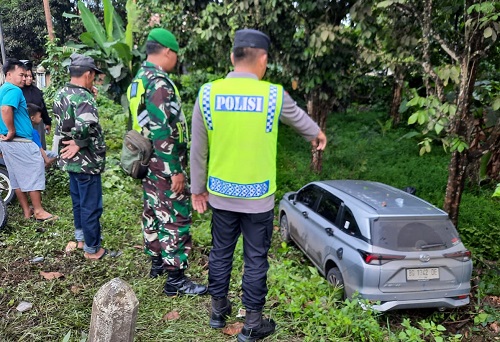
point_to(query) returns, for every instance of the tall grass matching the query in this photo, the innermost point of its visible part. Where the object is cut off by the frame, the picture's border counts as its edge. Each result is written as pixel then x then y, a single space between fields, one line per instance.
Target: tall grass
pixel 303 304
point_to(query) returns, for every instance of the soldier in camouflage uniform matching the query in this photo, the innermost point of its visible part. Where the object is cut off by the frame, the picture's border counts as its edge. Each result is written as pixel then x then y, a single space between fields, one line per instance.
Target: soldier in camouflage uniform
pixel 155 109
pixel 82 153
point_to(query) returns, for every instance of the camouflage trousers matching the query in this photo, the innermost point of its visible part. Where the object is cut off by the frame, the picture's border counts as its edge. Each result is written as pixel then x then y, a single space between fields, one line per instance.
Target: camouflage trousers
pixel 166 220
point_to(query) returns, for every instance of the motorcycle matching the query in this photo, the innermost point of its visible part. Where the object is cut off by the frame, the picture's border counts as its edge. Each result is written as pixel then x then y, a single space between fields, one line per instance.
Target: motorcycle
pixel 7 194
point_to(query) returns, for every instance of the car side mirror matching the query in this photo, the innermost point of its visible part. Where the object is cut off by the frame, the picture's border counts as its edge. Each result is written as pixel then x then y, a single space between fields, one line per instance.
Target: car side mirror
pixel 293 198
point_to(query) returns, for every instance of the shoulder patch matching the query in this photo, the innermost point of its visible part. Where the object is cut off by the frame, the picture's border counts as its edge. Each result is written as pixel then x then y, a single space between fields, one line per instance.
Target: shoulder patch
pixel 133 89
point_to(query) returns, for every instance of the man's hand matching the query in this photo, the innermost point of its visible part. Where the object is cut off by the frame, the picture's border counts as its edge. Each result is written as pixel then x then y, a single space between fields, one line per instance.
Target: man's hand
pixel 47 129
pixel 70 150
pixel 178 183
pixel 10 135
pixel 199 202
pixel 320 141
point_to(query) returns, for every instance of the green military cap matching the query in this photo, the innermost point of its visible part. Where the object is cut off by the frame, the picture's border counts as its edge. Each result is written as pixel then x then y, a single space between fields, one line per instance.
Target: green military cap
pixel 164 38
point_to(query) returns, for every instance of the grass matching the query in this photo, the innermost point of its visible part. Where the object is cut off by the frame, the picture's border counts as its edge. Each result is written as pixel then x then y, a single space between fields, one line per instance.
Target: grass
pixel 305 307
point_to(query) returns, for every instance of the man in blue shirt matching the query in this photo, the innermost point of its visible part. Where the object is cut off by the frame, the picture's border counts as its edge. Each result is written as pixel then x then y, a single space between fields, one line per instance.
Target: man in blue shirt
pixel 22 158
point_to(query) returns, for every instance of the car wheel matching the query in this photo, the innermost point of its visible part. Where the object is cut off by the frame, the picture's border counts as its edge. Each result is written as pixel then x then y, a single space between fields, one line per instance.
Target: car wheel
pixel 334 277
pixel 284 230
pixel 3 214
pixel 6 191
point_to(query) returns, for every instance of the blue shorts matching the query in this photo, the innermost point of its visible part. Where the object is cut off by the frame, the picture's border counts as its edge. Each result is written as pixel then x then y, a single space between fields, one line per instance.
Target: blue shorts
pixel 25 165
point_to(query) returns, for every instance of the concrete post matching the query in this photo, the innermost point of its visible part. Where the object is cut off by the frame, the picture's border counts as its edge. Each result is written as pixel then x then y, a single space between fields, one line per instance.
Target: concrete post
pixel 114 313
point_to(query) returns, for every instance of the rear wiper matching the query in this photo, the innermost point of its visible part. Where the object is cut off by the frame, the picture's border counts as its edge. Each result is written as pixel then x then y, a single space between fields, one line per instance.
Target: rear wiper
pixel 432 245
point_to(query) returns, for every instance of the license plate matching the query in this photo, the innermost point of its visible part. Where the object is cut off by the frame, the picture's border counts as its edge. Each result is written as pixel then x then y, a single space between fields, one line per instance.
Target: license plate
pixel 422 273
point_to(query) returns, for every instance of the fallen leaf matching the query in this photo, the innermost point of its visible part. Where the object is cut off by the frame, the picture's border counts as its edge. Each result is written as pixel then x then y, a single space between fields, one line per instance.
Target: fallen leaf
pixel 276 228
pixel 171 316
pixel 51 275
pixel 75 289
pixel 138 247
pixel 494 326
pixel 233 329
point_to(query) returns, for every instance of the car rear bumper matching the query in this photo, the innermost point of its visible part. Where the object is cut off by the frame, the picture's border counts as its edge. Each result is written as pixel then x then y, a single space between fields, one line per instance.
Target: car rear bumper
pixel 421 304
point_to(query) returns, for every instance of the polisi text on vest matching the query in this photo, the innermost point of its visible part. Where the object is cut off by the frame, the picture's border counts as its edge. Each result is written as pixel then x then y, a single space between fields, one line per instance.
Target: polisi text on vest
pixel 239 103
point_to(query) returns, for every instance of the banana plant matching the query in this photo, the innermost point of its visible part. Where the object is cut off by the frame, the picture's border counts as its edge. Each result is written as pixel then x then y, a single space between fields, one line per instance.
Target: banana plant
pixel 111 42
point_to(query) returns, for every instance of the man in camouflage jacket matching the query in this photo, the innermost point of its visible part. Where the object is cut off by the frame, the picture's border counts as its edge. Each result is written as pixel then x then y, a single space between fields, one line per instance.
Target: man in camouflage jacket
pixel 82 153
pixel 155 108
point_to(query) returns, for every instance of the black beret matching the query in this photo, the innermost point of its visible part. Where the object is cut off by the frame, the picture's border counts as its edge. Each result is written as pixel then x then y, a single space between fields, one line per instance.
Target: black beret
pixel 251 38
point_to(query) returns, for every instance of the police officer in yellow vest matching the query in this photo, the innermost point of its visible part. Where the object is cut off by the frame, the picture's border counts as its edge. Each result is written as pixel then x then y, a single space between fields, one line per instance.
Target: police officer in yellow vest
pixel 233 168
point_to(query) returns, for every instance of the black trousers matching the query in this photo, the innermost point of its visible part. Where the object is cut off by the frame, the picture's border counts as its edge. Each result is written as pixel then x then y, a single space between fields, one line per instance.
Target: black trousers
pixel 257 230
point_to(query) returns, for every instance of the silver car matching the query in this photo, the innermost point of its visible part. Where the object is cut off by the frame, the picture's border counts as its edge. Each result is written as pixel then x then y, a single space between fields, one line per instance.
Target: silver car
pixel 384 243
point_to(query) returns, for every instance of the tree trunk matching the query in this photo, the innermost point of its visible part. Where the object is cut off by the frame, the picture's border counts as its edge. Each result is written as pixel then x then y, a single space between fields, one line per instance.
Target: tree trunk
pixel 397 92
pixel 464 126
pixel 318 109
pixel 455 185
pixel 48 18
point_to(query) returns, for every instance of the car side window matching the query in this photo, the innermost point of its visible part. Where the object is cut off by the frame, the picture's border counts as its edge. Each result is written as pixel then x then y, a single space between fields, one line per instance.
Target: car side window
pixel 308 196
pixel 329 207
pixel 349 224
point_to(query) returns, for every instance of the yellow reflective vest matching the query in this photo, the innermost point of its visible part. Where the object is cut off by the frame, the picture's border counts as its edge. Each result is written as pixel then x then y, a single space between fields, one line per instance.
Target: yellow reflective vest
pixel 241 117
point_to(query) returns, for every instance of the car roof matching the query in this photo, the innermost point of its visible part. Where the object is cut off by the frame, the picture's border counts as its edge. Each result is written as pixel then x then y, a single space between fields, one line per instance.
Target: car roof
pixel 383 199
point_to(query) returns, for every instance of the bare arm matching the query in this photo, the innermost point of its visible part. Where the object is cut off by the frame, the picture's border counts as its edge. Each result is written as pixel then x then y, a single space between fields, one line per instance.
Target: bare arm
pixel 8 119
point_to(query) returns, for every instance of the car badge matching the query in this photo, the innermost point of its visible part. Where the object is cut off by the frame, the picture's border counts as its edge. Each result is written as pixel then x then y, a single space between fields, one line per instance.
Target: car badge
pixel 425 257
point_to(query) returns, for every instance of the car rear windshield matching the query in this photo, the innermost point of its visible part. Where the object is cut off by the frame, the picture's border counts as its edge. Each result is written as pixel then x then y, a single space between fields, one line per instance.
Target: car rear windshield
pixel 412 235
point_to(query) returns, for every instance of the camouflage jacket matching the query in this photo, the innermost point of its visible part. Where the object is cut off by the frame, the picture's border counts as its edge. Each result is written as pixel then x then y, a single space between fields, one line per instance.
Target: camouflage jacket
pixel 167 124
pixel 75 110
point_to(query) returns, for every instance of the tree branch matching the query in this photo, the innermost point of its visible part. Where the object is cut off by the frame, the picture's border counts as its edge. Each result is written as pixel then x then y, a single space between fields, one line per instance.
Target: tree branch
pixel 482 52
pixel 444 45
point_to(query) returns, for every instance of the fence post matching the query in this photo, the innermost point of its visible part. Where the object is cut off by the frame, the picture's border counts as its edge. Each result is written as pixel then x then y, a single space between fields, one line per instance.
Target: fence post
pixel 114 313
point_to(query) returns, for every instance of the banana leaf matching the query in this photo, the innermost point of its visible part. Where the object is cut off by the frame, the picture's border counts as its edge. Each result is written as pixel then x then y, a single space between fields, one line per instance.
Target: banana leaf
pixel 93 27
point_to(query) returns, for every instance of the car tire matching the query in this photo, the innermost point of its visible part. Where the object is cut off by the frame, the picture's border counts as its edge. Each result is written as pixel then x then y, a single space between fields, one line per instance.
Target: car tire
pixel 3 214
pixel 284 229
pixel 334 277
pixel 6 191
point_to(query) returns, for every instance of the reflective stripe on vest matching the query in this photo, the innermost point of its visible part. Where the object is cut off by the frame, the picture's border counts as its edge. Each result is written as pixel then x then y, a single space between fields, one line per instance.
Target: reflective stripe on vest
pixel 136 98
pixel 135 95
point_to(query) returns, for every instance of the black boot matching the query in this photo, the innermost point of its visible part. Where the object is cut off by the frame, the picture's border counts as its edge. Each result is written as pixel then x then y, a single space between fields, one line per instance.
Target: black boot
pixel 178 284
pixel 255 327
pixel 156 267
pixel 221 308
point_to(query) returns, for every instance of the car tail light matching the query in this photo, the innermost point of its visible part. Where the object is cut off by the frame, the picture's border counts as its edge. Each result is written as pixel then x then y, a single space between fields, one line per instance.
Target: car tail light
pixel 460 256
pixel 379 259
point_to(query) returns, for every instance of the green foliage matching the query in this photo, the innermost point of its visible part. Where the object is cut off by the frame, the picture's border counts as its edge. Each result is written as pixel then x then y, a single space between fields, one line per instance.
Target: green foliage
pixel 300 300
pixel 490 282
pixel 24 28
pixel 56 63
pixel 111 44
pixel 315 307
pixel 189 85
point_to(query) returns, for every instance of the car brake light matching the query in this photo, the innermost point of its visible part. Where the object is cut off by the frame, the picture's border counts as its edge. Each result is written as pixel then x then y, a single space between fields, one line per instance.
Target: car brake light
pixel 460 256
pixel 379 259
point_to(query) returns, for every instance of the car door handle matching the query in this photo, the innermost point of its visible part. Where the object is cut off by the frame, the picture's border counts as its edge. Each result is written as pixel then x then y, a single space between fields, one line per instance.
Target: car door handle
pixel 329 231
pixel 305 214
